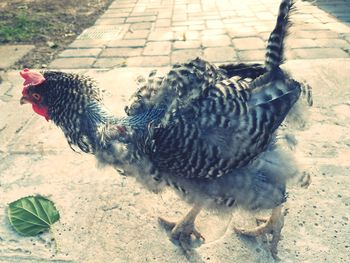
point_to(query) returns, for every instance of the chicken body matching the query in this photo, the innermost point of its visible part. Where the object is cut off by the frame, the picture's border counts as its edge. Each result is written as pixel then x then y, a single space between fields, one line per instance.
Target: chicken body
pixel 217 148
pixel 209 132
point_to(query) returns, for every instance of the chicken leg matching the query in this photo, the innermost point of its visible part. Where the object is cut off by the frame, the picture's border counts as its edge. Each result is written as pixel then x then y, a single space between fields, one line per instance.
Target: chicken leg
pixel 273 225
pixel 182 230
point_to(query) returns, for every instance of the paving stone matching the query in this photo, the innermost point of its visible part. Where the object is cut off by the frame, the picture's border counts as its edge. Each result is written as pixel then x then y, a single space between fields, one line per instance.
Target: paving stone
pixel 213 32
pixel 265 16
pixel 116 11
pixel 116 6
pixel 114 15
pixel 137 34
pixel 313 53
pixel 228 14
pixel 88 43
pixel 264 36
pixel 16 51
pixel 328 42
pixel 103 32
pixel 187 35
pixel 157 48
pixel 143 14
pixel 122 5
pixel 121 52
pixel 196 27
pixel 188 23
pixel 88 52
pixel 187 44
pixel 180 28
pixel 235 31
pixel 149 61
pixel 239 21
pixel 209 17
pixel 338 27
pixel 301 43
pixel 110 62
pixel 179 7
pixel 137 26
pixel 181 56
pixel 119 9
pixel 127 43
pixel 204 13
pixel 258 7
pixel 311 27
pixel 72 63
pixel 303 17
pixel 164 14
pixel 140 8
pixel 165 22
pixel 288 54
pixel 264 27
pixel 216 41
pixel 141 19
pixel 181 17
pixel 252 55
pixel 110 21
pixel 219 54
pixel 322 16
pixel 161 34
pixel 212 24
pixel 209 6
pixel 248 43
pixel 194 7
pixel 315 34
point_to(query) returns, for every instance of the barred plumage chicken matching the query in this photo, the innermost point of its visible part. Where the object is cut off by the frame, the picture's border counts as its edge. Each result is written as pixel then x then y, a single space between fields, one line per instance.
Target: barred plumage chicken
pixel 208 132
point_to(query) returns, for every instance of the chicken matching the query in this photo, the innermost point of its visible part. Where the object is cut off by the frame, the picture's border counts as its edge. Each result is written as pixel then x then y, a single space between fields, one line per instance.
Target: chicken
pixel 208 132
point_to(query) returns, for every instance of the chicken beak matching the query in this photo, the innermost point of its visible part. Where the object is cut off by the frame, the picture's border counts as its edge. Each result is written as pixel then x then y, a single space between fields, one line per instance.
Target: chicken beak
pixel 23 100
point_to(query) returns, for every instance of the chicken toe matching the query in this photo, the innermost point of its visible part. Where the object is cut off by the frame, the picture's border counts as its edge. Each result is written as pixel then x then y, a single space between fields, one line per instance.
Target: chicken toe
pixel 182 230
pixel 272 226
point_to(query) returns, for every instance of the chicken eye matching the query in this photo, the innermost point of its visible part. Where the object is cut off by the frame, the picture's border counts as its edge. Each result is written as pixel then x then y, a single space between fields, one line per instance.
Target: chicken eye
pixel 36 96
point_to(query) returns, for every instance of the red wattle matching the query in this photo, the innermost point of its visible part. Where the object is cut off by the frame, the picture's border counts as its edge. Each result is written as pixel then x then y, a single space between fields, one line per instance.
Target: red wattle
pixel 41 111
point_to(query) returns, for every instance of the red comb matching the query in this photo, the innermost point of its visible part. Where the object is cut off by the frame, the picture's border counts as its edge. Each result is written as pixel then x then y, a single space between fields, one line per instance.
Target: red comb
pixel 31 77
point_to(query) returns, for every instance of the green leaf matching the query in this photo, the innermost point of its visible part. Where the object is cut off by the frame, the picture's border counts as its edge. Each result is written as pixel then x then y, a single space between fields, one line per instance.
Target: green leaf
pixel 32 215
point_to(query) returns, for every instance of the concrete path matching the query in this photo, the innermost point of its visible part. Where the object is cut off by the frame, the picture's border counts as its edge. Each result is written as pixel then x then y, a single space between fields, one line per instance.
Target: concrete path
pixel 10 54
pixel 106 217
pixel 141 33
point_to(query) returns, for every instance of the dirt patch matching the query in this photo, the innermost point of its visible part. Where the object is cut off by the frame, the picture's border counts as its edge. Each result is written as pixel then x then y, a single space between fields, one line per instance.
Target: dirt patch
pixel 50 25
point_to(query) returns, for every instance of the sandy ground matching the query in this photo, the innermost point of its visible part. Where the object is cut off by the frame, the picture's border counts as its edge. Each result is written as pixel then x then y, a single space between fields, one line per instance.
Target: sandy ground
pixel 106 217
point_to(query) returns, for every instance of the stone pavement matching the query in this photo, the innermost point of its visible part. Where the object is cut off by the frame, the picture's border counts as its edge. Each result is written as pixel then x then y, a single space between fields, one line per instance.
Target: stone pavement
pixel 149 33
pixel 9 54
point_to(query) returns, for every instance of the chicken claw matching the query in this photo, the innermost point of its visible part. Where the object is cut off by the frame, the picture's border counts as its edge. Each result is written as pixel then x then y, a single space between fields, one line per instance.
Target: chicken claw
pixel 272 226
pixel 183 230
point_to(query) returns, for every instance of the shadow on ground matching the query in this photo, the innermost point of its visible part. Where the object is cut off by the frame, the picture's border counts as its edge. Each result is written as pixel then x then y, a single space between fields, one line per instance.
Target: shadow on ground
pixel 337 8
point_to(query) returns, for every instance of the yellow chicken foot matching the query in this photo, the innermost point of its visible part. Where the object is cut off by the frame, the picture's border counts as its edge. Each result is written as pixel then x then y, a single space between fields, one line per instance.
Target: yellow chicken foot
pixel 273 226
pixel 182 230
